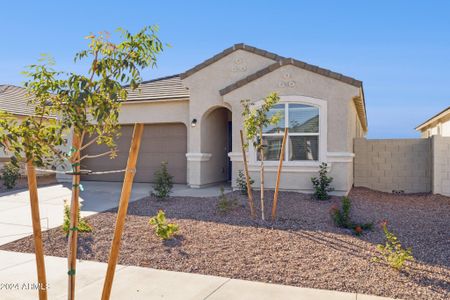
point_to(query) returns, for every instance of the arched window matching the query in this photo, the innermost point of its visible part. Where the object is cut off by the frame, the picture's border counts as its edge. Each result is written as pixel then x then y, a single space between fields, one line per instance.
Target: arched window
pixel 302 121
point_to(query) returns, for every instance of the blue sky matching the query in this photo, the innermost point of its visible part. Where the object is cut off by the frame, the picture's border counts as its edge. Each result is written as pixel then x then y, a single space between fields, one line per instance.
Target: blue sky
pixel 399 49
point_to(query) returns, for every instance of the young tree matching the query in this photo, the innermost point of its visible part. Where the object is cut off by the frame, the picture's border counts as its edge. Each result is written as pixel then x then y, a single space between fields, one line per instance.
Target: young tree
pixel 35 141
pixel 255 120
pixel 89 103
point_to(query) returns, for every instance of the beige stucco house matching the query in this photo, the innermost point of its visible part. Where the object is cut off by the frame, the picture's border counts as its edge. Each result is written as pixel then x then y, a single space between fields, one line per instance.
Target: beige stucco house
pixel 193 121
pixel 436 125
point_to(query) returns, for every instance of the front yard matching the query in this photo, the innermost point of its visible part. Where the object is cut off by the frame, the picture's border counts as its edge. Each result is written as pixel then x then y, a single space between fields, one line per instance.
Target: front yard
pixel 303 248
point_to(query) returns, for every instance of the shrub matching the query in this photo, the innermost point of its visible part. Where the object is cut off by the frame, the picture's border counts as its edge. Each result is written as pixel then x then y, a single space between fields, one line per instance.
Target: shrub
pixel 163 182
pixel 241 182
pixel 225 205
pixel 163 229
pixel 10 174
pixel 392 252
pixel 341 217
pixel 322 183
pixel 83 225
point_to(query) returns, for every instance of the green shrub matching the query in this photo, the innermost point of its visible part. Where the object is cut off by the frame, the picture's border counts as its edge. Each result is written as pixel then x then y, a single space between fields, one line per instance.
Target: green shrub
pixel 341 217
pixel 163 229
pixel 163 182
pixel 10 174
pixel 225 205
pixel 241 182
pixel 322 183
pixel 83 225
pixel 392 251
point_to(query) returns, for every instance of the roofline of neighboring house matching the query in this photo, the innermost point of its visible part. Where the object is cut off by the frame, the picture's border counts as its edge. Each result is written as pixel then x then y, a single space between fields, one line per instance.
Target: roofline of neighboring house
pixel 433 118
pixel 156 79
pixel 235 47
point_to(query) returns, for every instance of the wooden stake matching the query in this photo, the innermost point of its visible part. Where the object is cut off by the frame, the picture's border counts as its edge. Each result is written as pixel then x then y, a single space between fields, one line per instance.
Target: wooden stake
pixel 261 172
pixel 123 206
pixel 37 234
pixel 74 207
pixel 280 165
pixel 247 179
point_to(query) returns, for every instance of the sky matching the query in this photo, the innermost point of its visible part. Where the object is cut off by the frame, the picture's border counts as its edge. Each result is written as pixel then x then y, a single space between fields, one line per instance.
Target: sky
pixel 399 49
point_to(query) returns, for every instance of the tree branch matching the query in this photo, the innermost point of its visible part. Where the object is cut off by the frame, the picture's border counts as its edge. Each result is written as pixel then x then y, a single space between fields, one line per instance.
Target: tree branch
pixel 96 155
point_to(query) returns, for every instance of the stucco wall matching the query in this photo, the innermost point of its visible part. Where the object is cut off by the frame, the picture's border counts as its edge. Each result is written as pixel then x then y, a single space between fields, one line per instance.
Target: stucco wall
pixel 397 164
pixel 441 165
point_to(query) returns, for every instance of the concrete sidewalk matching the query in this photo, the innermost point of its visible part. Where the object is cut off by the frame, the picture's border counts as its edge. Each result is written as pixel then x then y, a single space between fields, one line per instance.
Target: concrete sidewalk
pixel 18 273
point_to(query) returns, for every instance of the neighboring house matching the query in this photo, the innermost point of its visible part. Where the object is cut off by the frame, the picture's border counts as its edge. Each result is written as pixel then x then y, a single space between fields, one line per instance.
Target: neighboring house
pixel 193 121
pixel 13 99
pixel 436 125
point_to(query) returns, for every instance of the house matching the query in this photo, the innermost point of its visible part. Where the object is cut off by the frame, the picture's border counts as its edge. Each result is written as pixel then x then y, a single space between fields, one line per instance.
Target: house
pixel 436 125
pixel 193 121
pixel 14 100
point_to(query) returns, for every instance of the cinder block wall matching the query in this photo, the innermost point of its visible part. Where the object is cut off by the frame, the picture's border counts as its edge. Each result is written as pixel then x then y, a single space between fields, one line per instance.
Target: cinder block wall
pixel 393 164
pixel 441 165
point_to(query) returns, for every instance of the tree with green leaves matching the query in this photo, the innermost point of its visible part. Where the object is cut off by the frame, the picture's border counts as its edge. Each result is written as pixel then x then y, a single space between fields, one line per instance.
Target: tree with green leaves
pixel 35 141
pixel 88 104
pixel 255 120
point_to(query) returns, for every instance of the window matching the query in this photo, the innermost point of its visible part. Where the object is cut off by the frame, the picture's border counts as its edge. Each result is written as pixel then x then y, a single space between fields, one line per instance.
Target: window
pixel 303 133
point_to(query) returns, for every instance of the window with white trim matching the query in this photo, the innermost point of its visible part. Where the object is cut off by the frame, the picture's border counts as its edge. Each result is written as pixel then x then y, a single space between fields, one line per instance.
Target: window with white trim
pixel 302 121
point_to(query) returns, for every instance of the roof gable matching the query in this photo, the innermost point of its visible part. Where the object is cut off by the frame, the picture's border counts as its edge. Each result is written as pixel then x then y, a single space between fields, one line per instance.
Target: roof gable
pixel 434 118
pixel 228 51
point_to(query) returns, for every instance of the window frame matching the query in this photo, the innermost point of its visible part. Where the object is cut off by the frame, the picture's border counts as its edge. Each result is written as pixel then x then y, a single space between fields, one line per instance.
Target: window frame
pixel 322 134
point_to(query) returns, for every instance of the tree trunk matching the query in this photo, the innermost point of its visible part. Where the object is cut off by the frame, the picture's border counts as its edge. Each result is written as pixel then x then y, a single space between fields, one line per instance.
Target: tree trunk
pixel 261 151
pixel 123 207
pixel 277 185
pixel 37 234
pixel 74 207
pixel 247 179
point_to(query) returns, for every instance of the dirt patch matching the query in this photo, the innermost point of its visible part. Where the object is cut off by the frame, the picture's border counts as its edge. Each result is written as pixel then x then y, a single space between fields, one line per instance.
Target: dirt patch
pixel 303 248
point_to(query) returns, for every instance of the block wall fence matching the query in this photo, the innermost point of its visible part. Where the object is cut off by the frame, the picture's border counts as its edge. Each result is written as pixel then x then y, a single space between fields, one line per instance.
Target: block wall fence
pixel 408 165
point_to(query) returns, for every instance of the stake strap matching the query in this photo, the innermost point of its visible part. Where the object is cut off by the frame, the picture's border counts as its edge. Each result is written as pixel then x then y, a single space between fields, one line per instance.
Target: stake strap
pixel 80 186
pixel 71 272
pixel 74 229
pixel 75 164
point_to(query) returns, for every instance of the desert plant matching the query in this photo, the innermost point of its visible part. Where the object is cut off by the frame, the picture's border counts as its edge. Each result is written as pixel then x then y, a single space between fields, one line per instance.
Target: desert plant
pixel 341 217
pixel 392 252
pixel 241 182
pixel 10 174
pixel 83 225
pixel 255 120
pixel 225 205
pixel 163 182
pixel 322 183
pixel 163 229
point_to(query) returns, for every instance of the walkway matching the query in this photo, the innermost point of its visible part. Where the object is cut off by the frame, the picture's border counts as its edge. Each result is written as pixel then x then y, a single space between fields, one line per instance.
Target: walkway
pixel 18 273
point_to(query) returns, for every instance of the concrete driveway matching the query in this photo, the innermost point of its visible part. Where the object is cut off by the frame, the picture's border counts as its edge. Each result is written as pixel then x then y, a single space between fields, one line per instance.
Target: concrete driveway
pixel 15 213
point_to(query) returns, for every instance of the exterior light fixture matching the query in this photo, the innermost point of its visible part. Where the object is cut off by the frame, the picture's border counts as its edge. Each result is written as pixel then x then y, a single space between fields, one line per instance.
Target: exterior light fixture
pixel 194 122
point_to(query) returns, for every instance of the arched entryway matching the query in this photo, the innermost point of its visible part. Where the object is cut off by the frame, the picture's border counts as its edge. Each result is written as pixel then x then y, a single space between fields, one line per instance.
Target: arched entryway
pixel 216 131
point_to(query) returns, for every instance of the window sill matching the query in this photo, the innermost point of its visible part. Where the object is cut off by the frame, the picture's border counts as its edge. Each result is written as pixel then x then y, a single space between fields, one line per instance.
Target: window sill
pixel 293 167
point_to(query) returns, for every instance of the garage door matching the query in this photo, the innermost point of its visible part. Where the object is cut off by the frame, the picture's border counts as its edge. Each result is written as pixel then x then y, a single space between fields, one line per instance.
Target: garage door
pixel 160 142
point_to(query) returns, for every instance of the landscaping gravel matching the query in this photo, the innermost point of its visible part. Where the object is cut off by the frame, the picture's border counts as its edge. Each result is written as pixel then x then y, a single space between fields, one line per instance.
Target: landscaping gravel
pixel 303 248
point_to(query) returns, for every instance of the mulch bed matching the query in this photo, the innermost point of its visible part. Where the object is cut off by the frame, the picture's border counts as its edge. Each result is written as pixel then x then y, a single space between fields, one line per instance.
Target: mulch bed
pixel 303 248
pixel 22 183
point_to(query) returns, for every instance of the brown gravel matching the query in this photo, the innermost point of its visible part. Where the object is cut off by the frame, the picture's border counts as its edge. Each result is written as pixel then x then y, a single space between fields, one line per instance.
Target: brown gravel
pixel 303 248
pixel 23 184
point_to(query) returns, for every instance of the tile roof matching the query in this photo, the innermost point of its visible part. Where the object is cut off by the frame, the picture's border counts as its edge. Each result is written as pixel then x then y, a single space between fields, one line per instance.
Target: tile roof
pixel 14 100
pixel 294 62
pixel 169 87
pixel 230 50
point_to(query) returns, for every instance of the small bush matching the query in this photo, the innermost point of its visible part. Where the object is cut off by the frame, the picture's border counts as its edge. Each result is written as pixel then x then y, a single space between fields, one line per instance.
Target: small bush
pixel 10 174
pixel 241 182
pixel 225 205
pixel 163 229
pixel 322 183
pixel 83 225
pixel 163 182
pixel 392 251
pixel 341 217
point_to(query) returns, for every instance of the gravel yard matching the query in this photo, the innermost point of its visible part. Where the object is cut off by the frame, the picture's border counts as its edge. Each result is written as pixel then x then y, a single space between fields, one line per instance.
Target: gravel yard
pixel 303 248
